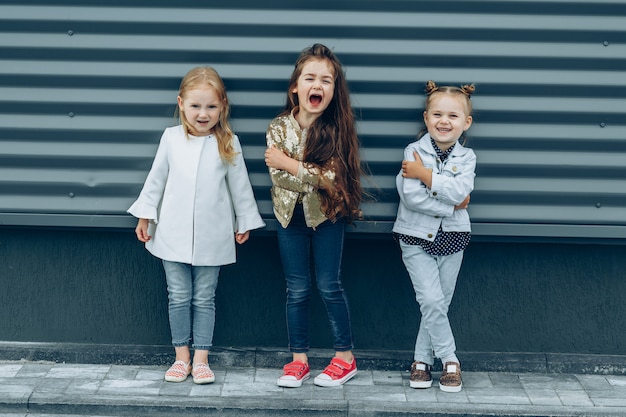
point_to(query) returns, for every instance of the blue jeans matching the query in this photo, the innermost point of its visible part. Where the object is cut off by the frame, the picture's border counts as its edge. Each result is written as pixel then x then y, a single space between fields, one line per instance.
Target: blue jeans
pixel 326 241
pixel 434 281
pixel 191 294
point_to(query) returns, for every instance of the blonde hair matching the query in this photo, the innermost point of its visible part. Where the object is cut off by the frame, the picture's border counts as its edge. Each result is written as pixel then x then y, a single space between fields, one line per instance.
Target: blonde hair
pixel 464 93
pixel 203 77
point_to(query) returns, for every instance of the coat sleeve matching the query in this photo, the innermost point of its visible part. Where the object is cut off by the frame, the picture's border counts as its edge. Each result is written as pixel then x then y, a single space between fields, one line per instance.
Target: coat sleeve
pixel 244 204
pixel 147 204
pixel 309 175
pixel 454 189
pixel 275 136
pixel 416 196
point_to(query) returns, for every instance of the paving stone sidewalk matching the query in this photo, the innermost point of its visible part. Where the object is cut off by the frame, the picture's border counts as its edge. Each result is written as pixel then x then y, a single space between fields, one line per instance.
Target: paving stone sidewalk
pixel 44 389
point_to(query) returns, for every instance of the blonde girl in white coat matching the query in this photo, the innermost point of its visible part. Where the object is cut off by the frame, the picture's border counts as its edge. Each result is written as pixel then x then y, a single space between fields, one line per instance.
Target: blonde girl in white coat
pixel 196 202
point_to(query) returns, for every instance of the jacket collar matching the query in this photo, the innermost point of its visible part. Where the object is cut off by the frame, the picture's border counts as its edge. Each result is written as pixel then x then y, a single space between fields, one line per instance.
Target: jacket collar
pixel 426 146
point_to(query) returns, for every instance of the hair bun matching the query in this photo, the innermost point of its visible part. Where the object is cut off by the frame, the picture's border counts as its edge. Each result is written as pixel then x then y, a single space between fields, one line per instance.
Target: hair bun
pixel 431 87
pixel 468 89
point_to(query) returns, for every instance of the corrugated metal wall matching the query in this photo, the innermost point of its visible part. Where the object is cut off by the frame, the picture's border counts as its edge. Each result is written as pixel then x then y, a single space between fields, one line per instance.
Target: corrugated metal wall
pixel 87 86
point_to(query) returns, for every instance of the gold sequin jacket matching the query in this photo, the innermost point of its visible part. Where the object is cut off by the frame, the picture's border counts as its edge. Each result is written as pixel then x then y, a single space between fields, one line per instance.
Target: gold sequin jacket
pixel 285 133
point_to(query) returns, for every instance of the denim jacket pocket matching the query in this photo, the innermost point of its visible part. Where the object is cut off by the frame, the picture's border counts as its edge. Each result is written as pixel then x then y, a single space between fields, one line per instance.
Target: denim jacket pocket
pixel 454 168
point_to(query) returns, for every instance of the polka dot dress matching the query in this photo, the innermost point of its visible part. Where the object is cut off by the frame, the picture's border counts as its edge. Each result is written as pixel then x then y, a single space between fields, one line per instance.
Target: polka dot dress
pixel 445 243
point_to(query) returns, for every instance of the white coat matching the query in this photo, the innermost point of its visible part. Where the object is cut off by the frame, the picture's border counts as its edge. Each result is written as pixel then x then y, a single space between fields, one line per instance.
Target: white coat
pixel 195 201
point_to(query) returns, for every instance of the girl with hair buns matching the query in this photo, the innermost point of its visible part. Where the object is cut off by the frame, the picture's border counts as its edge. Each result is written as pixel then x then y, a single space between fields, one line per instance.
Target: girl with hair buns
pixel 197 201
pixel 433 227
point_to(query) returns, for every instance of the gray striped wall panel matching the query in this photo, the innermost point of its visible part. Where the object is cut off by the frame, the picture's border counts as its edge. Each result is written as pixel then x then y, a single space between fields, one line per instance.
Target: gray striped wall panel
pixel 86 88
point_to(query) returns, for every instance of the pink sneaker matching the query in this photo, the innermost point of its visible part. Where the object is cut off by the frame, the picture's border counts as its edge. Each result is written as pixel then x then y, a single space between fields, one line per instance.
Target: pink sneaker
pixel 294 373
pixel 202 374
pixel 336 374
pixel 178 372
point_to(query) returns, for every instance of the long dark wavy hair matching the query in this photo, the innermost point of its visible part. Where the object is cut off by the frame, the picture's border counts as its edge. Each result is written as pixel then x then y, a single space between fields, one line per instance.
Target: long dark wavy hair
pixel 332 143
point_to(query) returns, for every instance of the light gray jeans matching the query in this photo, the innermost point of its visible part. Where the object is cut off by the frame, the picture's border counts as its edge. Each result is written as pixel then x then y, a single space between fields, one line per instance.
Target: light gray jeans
pixel 191 307
pixel 434 280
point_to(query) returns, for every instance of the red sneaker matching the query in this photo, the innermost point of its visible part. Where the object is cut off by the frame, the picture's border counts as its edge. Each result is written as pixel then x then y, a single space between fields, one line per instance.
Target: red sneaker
pixel 294 373
pixel 336 374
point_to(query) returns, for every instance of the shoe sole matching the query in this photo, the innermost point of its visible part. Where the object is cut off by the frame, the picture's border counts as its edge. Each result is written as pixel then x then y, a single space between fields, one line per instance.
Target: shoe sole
pixel 334 382
pixel 421 384
pixel 292 383
pixel 201 381
pixel 175 379
pixel 451 388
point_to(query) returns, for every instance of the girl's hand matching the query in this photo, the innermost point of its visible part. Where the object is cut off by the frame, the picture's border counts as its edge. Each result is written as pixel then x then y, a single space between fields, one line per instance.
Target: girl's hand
pixel 277 159
pixel 463 205
pixel 415 169
pixel 411 169
pixel 142 230
pixel 242 237
pixel 274 158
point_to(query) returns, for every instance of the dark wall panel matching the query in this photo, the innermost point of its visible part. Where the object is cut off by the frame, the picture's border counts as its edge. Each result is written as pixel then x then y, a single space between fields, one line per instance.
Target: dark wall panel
pixel 103 287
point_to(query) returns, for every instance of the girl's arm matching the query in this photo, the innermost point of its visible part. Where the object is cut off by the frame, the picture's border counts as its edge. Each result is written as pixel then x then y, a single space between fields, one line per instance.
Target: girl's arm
pixel 414 195
pixel 280 177
pixel 279 160
pixel 455 189
pixel 463 204
pixel 416 169
pixel 287 172
pixel 242 237
pixel 452 190
pixel 244 204
pixel 413 192
pixel 146 205
pixel 142 230
pixel 307 173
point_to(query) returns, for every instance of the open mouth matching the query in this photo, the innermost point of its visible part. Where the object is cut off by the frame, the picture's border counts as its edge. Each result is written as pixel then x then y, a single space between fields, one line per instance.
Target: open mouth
pixel 315 99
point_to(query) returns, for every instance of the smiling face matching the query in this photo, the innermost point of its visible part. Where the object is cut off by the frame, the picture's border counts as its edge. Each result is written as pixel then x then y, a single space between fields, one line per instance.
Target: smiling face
pixel 315 89
pixel 446 119
pixel 201 109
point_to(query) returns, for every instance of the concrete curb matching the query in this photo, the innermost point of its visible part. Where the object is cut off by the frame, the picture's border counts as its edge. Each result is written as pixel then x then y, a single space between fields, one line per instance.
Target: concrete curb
pixel 110 405
pixel 275 358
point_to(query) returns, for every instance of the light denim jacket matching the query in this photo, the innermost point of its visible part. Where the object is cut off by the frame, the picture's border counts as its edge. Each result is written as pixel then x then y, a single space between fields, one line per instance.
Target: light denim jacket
pixel 422 210
pixel 284 132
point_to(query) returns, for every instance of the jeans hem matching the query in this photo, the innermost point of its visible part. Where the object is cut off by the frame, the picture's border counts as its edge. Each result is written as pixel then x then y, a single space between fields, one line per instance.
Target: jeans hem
pixel 344 348
pixel 201 347
pixel 429 361
pixel 298 350
pixel 445 355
